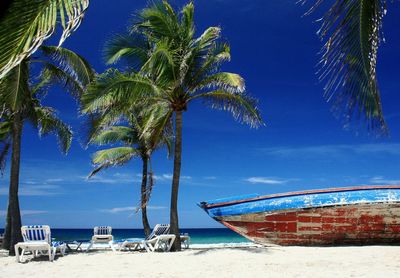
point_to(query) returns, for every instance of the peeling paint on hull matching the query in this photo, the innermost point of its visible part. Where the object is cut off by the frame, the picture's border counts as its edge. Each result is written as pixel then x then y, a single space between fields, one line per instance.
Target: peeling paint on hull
pixel 368 215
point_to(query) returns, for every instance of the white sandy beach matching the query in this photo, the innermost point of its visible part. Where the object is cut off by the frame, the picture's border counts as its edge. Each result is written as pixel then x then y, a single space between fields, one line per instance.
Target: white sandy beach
pixel 371 261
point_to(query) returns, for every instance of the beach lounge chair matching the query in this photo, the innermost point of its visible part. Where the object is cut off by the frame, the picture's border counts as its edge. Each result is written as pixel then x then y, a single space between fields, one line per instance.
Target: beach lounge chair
pixel 185 240
pixel 37 239
pixel 102 234
pixel 159 239
pixel 159 243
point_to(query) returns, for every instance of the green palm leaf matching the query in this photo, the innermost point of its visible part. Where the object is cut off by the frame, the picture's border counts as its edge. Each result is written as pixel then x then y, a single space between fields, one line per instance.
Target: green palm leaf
pixel 49 123
pixel 228 81
pixel 28 23
pixel 112 157
pixel 352 30
pixel 114 87
pixel 133 49
pixel 14 88
pixel 70 63
pixel 243 108
pixel 115 134
pixel 159 20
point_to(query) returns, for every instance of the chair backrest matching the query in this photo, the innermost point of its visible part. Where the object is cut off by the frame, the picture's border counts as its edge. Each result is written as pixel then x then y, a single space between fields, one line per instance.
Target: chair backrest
pixel 102 230
pixel 36 232
pixel 159 229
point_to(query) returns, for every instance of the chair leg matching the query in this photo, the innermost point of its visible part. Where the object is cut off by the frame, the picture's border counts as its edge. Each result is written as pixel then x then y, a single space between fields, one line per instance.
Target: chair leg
pixel 16 247
pixel 22 255
pixel 111 245
pixel 90 246
pixel 147 246
pixel 50 254
pixel 62 250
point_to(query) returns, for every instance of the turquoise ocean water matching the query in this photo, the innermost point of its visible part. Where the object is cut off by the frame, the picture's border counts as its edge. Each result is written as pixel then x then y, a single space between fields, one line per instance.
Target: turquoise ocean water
pixel 197 236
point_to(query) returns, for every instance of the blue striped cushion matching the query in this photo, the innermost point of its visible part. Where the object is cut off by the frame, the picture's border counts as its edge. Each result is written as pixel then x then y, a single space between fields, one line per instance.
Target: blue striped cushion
pixel 103 230
pixel 37 234
pixel 57 243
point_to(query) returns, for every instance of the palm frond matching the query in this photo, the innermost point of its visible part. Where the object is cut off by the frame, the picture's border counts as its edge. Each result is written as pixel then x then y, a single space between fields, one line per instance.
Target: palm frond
pixel 352 31
pixel 227 81
pixel 158 21
pixel 115 134
pixel 52 74
pixel 210 63
pixel 94 123
pixel 14 88
pixel 49 123
pixel 28 23
pixel 161 65
pixel 112 157
pixel 156 127
pixel 208 38
pixel 133 49
pixel 71 63
pixel 187 21
pixel 113 87
pixel 243 108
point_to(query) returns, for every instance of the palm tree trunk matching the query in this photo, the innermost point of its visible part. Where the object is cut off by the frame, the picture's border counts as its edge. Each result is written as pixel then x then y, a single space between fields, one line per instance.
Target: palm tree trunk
pixel 13 226
pixel 174 222
pixel 146 225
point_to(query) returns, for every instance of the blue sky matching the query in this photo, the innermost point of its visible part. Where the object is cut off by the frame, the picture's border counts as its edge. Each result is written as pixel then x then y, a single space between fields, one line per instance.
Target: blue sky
pixel 303 146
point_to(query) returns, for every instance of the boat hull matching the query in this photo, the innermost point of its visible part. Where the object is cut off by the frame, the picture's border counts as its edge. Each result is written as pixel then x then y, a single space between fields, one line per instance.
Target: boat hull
pixel 373 219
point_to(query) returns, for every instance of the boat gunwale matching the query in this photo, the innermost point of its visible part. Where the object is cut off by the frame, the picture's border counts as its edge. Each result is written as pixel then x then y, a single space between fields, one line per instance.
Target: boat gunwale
pixel 204 205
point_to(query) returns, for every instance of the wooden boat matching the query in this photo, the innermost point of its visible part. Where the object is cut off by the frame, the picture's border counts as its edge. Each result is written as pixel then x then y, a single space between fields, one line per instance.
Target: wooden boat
pixel 338 216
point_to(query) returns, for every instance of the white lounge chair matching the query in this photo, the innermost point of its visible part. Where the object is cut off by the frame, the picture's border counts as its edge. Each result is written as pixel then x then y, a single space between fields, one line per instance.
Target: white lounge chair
pixel 150 243
pixel 102 234
pixel 161 242
pixel 37 239
pixel 185 240
pixel 159 239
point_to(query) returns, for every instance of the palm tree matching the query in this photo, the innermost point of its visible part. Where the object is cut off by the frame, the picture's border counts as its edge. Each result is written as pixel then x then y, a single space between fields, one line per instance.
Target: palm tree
pixel 181 68
pixel 138 140
pixel 352 32
pixel 27 24
pixel 5 138
pixel 21 97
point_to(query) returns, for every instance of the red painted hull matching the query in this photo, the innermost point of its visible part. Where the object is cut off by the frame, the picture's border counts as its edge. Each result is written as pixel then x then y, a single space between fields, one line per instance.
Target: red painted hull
pixel 359 224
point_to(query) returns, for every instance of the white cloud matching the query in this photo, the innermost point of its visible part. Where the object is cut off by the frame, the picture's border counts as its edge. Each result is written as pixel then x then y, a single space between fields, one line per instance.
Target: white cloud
pixel 382 180
pixel 55 180
pixel 365 149
pixel 210 178
pixel 35 190
pixel 114 179
pixel 130 209
pixel 168 177
pixel 265 180
pixel 25 212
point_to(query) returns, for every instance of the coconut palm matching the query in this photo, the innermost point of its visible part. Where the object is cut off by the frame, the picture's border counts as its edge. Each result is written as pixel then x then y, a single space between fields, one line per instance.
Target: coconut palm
pixel 21 95
pixel 5 138
pixel 352 32
pixel 137 140
pixel 26 24
pixel 180 68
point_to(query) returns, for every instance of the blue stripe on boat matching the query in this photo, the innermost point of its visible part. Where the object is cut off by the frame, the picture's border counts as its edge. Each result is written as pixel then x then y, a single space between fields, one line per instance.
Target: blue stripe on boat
pixel 303 201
